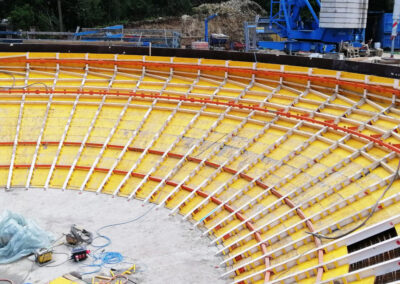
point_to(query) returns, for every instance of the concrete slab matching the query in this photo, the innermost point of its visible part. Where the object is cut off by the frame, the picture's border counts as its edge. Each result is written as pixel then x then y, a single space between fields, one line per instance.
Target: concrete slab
pixel 165 249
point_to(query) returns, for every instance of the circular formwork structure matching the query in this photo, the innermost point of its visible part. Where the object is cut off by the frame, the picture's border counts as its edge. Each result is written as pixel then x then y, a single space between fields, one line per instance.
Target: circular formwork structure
pixel 261 157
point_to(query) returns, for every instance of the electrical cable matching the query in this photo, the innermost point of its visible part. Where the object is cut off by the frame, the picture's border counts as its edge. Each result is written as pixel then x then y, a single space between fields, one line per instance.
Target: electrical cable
pixel 13 86
pixel 373 209
pixel 7 280
pixel 108 258
pixel 13 82
pixel 100 236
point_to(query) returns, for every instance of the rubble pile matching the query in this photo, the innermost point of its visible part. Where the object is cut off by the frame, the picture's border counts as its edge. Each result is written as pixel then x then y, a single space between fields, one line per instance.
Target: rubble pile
pixel 231 16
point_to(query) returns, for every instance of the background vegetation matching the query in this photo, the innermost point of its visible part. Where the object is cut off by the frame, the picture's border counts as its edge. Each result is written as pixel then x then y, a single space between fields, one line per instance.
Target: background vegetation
pixel 43 14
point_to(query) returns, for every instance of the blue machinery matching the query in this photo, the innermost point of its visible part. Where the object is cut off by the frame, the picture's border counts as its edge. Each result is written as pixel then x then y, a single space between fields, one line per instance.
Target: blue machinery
pixel 298 23
pixel 209 18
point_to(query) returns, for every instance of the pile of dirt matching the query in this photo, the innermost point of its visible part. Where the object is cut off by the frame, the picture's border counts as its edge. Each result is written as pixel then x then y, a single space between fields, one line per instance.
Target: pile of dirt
pixel 230 21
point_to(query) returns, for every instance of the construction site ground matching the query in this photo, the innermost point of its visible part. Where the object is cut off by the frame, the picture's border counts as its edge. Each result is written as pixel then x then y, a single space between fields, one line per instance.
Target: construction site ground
pixel 157 243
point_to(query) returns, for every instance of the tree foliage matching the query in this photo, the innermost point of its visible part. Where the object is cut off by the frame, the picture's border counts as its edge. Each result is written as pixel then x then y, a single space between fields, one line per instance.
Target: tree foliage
pixel 43 14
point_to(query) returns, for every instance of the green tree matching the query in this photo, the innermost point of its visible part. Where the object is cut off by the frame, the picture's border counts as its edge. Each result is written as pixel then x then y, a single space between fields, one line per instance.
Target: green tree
pixel 23 17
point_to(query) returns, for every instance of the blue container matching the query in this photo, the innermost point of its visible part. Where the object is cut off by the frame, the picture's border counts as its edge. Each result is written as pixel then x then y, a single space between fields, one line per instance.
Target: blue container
pixel 386 42
pixel 385 32
pixel 387 21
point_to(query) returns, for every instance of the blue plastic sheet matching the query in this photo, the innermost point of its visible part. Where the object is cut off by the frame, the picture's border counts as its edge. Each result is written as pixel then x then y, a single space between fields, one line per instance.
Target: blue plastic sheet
pixel 20 237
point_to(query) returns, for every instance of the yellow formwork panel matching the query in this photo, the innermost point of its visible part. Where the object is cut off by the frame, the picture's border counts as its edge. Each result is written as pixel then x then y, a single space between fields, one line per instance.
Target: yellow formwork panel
pixel 285 123
pixel 227 125
pixel 152 87
pixel 205 211
pixel 283 171
pixel 58 177
pixel 392 139
pixel 95 181
pixel 77 130
pixel 102 56
pixel 128 124
pixel 242 160
pixel 147 163
pixel 127 161
pixel 31 123
pixel 356 144
pixel 130 85
pixel 298 160
pixel 67 155
pixel 369 132
pixel 39 177
pixel 384 214
pixel 333 111
pixel 200 176
pixel 362 161
pixel 72 74
pixel 332 135
pixel 117 99
pixel 352 168
pixel 243 247
pixel 181 89
pixel 350 190
pixel 112 184
pixel 88 156
pixel 393 114
pixel 359 117
pixel 191 204
pixel 104 123
pixel 225 154
pixel 261 167
pixel 222 231
pixel 250 272
pixel 166 140
pixel 127 188
pixel 315 97
pixel 204 122
pixel 24 155
pixel 77 178
pixel 166 166
pixel 342 102
pixel 8 122
pixel 217 182
pixel 176 199
pixel 37 98
pixel 278 153
pixel 334 157
pixel 149 130
pixel 19 177
pixel 393 163
pixel 162 193
pixel 108 158
pixel 281 101
pixel 46 154
pixel 369 107
pixel 3 176
pixel 209 145
pixel 216 218
pixel 5 155
pixel 146 189
pixel 380 172
pixel 336 272
pixel 385 124
pixel 57 119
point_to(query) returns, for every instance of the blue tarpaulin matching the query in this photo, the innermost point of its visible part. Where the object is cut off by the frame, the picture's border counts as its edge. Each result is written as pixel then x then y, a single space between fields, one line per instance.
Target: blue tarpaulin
pixel 117 27
pixel 20 237
pixel 86 33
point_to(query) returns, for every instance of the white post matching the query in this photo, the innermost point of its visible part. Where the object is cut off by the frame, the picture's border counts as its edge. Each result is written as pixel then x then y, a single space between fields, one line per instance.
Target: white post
pixel 396 19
